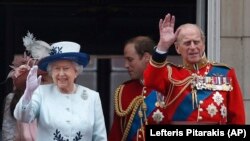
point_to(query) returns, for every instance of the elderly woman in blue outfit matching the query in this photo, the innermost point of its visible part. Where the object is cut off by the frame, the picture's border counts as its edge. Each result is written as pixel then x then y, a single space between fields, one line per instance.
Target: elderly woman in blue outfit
pixel 64 110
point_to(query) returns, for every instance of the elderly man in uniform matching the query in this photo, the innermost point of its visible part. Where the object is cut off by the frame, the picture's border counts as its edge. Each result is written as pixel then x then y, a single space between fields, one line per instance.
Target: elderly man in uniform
pixel 199 91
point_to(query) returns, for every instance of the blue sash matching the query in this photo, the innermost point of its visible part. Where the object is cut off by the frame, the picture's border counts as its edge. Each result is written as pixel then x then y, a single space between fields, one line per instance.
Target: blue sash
pixel 185 108
pixel 136 124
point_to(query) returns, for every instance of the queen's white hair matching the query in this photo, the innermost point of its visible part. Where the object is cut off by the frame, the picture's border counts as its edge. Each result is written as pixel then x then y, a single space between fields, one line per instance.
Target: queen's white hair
pixel 79 68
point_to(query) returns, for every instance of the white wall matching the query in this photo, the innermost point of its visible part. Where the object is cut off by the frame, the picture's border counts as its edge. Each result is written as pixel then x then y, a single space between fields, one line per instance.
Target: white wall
pixel 235 42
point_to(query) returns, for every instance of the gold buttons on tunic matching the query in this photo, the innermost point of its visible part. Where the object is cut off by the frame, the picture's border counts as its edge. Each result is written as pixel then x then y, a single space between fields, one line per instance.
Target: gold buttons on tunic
pixel 200 109
pixel 200 118
pixel 201 102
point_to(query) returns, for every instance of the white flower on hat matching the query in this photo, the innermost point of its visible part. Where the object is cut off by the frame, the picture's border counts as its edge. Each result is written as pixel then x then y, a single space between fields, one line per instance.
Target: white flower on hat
pixel 28 40
pixel 38 48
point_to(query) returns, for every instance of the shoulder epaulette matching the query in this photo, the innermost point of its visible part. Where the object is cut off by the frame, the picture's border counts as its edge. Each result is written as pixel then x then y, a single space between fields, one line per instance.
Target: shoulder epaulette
pixel 221 65
pixel 172 64
pixel 128 81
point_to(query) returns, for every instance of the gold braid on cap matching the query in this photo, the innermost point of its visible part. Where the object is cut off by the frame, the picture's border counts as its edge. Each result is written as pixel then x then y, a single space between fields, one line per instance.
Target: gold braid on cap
pixel 132 108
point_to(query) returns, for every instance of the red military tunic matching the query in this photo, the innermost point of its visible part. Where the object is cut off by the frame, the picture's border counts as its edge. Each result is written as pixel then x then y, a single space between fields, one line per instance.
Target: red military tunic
pixel 209 94
pixel 129 99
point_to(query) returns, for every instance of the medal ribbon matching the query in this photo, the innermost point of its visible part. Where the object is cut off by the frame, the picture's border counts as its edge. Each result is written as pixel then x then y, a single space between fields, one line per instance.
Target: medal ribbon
pixel 183 111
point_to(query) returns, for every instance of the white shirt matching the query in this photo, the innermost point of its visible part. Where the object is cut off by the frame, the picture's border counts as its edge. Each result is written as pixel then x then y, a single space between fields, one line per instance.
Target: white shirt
pixel 64 117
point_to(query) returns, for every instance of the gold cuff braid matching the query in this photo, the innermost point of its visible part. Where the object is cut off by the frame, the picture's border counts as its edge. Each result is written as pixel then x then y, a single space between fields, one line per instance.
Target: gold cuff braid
pixel 156 64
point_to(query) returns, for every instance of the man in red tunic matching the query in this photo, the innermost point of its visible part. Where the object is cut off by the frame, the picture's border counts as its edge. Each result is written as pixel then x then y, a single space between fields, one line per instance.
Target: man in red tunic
pixel 199 91
pixel 134 103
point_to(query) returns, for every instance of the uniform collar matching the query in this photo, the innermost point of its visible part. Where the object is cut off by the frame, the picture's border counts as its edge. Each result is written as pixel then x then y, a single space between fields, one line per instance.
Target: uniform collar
pixel 202 63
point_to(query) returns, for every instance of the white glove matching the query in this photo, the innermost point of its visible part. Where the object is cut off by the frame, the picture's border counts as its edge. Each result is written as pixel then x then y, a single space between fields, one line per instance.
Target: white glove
pixel 32 83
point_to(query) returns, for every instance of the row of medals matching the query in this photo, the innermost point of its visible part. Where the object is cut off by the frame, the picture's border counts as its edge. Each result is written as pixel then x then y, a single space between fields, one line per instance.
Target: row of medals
pixel 201 83
pixel 213 83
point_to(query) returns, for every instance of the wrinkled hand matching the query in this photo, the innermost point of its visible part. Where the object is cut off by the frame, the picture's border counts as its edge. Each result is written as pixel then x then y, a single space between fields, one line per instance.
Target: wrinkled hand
pixel 167 35
pixel 32 81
